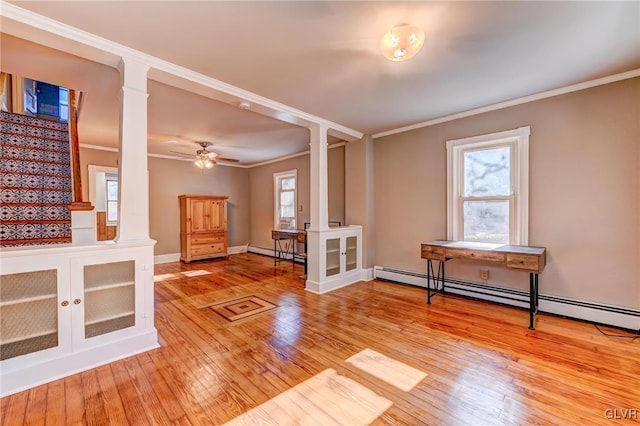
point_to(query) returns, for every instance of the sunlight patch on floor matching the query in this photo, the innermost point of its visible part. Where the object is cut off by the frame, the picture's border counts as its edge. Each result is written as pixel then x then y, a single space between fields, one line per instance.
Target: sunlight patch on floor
pixel 195 273
pixel 325 399
pixel 396 373
pixel 164 277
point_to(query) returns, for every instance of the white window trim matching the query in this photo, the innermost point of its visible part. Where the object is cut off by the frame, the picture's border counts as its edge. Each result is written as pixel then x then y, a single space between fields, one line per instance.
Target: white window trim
pixel 519 139
pixel 276 199
pixel 93 171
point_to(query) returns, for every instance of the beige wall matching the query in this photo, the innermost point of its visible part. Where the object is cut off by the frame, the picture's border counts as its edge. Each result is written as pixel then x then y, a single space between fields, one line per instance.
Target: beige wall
pixel 170 178
pixel 584 191
pixel 262 197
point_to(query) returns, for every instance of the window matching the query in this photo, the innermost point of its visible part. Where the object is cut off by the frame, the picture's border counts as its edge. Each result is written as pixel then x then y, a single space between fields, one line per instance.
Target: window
pixel 285 184
pixel 488 188
pixel 44 99
pixel 112 197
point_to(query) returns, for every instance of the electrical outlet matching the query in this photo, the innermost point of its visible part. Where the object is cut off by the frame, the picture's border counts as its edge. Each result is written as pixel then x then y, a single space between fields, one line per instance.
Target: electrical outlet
pixel 484 274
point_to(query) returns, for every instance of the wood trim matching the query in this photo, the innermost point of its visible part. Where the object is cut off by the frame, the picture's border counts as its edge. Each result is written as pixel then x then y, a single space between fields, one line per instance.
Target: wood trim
pixel 104 232
pixel 74 147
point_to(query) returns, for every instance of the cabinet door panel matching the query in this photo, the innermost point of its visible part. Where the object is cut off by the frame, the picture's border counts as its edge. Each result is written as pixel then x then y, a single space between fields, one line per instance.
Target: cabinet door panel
pixel 28 313
pixel 199 216
pixel 215 215
pixel 351 253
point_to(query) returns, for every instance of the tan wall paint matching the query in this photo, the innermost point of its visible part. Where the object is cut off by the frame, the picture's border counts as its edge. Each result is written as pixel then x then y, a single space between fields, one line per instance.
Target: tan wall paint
pixel 170 178
pixel 262 197
pixel 359 187
pixel 584 192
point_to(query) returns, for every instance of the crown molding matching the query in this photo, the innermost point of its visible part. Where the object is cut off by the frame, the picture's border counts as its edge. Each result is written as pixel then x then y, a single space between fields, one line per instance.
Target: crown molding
pixel 76 41
pixel 513 102
pixel 242 166
pixel 166 157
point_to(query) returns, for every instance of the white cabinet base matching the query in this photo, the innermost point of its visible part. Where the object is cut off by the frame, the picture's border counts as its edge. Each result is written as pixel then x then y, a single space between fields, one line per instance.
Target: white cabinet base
pixel 334 282
pixel 92 287
pixel 26 377
pixel 335 258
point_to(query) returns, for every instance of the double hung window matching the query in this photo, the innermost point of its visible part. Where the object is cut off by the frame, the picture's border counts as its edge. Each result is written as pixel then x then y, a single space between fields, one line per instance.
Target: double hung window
pixel 285 185
pixel 488 188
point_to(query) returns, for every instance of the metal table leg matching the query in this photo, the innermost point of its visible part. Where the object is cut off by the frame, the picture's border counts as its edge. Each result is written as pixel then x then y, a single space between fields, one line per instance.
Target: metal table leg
pixel 533 298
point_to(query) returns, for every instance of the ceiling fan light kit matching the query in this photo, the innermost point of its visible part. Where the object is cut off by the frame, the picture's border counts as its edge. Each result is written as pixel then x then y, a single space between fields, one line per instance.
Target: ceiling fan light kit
pixel 402 42
pixel 204 158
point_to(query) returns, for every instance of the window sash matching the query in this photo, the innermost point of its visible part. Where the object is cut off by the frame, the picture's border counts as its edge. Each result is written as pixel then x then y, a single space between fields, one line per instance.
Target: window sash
pixel 282 220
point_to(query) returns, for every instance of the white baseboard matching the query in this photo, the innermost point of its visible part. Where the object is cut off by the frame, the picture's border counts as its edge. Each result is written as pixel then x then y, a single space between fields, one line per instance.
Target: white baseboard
pixel 237 249
pixel 174 257
pixel 593 312
pixel 166 258
pixel 366 274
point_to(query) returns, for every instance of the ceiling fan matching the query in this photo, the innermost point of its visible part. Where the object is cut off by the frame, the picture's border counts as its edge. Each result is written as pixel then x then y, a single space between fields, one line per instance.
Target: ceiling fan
pixel 204 158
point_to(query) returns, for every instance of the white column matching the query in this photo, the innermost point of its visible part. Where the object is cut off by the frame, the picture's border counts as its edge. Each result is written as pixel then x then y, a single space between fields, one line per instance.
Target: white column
pixel 319 201
pixel 133 196
pixel 319 213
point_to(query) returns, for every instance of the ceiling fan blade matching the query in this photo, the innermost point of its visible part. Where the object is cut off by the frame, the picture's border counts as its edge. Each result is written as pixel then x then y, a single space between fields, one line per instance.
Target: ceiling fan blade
pixel 226 160
pixel 182 153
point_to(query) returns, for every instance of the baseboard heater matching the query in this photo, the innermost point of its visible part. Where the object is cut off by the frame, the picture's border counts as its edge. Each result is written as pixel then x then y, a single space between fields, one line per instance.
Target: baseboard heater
pixel 269 252
pixel 616 316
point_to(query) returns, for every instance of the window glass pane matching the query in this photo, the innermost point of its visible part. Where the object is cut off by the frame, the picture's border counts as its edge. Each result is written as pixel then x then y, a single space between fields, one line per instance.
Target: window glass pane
pixel 486 172
pixel 288 183
pixel 486 221
pixel 64 113
pixel 112 211
pixel 287 206
pixel 64 96
pixel 112 190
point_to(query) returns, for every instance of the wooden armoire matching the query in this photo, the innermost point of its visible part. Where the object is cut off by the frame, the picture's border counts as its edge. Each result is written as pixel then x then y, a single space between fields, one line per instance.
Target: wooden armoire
pixel 203 227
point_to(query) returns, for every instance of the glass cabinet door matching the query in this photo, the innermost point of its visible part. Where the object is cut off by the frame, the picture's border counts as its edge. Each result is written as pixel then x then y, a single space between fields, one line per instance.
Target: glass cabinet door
pixel 352 253
pixel 333 257
pixel 28 312
pixel 109 297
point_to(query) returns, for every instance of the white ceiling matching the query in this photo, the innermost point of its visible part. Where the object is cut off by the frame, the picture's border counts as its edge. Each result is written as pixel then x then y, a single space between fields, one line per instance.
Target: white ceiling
pixel 323 58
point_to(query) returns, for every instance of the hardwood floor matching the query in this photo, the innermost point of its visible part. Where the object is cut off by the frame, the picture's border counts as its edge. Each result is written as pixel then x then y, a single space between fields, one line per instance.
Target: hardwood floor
pixel 483 365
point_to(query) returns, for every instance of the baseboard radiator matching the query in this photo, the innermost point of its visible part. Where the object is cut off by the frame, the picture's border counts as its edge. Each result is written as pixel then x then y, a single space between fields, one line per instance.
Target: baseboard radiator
pixel 617 316
pixel 271 253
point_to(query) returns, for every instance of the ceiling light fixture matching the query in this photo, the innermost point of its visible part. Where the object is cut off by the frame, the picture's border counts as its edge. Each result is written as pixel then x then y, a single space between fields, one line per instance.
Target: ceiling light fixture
pixel 402 42
pixel 202 161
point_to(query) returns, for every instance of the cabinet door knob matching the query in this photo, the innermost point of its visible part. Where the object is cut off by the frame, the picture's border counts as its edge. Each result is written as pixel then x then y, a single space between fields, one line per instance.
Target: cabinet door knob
pixel 65 303
pixel 77 301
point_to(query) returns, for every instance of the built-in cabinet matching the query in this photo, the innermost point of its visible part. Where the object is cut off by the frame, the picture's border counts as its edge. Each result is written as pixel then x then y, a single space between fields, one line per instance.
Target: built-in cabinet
pixel 75 309
pixel 342 255
pixel 203 227
pixel 341 261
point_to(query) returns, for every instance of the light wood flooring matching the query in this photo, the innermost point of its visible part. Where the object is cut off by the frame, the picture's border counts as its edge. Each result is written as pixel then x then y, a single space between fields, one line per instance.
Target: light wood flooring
pixel 483 365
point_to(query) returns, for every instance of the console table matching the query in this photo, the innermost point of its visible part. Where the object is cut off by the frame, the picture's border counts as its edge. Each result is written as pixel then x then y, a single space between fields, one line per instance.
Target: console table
pixel 289 237
pixel 525 258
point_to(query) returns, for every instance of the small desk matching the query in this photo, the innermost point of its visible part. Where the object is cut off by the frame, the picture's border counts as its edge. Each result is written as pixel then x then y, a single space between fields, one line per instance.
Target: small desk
pixel 291 236
pixel 524 258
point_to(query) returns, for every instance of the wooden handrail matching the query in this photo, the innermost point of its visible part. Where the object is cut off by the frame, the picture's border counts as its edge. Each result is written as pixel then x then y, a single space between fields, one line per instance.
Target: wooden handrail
pixel 76 176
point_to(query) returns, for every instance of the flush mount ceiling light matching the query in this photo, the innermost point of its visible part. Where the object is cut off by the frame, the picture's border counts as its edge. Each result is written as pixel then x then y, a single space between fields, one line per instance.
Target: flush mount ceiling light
pixel 402 42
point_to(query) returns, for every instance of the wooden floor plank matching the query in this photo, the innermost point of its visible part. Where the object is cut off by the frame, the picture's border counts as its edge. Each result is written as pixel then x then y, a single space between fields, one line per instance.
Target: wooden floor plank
pixel 483 365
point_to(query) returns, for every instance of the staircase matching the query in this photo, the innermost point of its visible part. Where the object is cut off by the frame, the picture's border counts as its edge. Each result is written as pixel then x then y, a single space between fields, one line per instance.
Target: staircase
pixel 35 181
